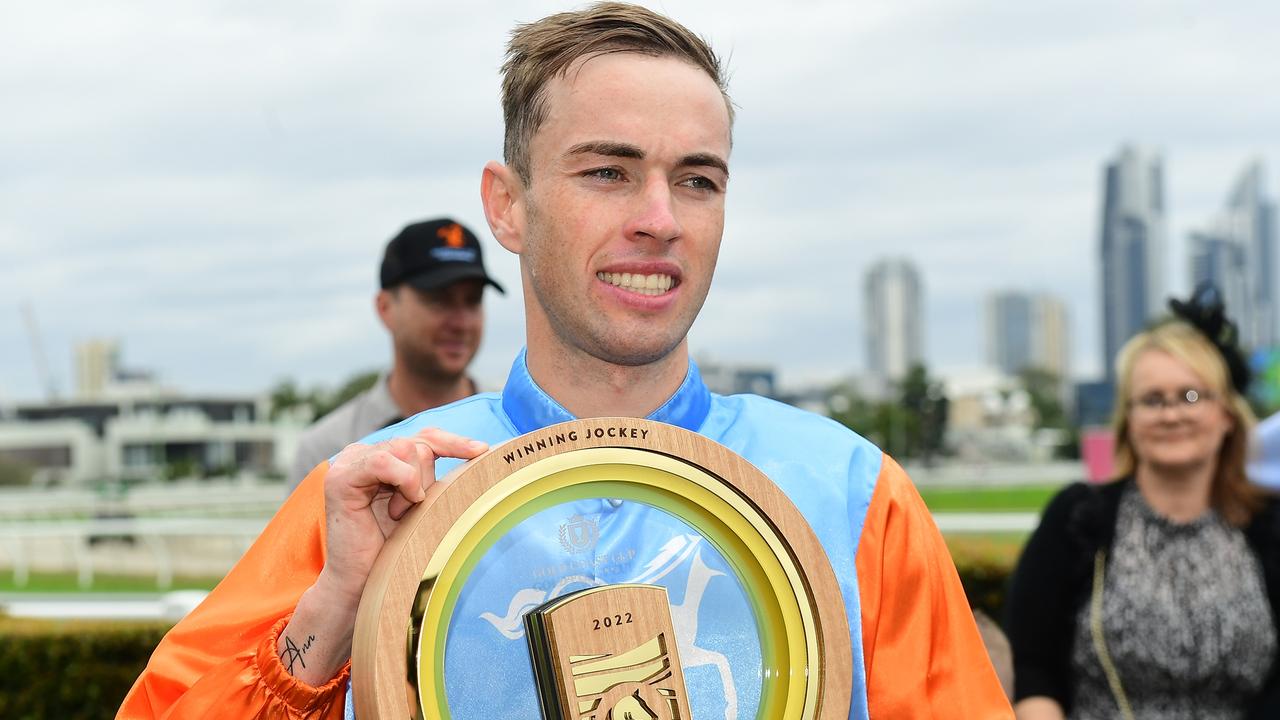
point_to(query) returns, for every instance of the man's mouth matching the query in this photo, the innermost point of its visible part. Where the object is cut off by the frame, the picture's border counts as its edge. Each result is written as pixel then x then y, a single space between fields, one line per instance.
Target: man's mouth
pixel 655 284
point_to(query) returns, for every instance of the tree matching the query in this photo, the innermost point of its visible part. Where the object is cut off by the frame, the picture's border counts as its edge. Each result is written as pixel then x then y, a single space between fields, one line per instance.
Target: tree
pixel 847 407
pixel 912 426
pixel 354 385
pixel 286 395
pixel 1043 388
pixel 925 401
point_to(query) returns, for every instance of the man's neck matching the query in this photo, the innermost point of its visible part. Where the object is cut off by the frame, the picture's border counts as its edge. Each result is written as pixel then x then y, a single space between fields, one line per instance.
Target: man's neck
pixel 414 394
pixel 590 387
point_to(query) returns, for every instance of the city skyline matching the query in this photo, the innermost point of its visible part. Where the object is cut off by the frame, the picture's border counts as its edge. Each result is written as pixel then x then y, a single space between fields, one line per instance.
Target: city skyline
pixel 1028 330
pixel 1236 252
pixel 221 212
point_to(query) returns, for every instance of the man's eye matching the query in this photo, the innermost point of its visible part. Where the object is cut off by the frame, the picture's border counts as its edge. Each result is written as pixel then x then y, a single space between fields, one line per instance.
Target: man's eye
pixel 699 182
pixel 607 173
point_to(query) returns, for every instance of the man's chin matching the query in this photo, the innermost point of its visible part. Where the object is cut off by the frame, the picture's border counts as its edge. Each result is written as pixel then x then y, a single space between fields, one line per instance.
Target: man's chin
pixel 635 354
pixel 442 371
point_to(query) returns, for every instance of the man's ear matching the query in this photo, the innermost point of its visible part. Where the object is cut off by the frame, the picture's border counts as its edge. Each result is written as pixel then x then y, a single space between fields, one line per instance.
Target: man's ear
pixel 502 194
pixel 382 303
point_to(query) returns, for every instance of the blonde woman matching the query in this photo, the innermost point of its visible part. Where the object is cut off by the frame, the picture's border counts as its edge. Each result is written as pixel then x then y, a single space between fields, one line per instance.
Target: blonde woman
pixel 1155 595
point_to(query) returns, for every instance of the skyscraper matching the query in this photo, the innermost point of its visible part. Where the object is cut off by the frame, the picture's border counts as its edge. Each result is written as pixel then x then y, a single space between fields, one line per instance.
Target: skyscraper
pixel 1237 253
pixel 97 363
pixel 894 318
pixel 1132 248
pixel 1027 330
pixel 1217 258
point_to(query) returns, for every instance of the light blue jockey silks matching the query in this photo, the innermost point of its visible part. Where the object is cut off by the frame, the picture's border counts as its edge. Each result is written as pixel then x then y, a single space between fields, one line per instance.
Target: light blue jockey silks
pixel 826 470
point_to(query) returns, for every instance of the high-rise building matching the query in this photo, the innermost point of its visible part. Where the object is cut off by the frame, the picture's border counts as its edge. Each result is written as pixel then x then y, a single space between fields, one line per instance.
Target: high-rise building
pixel 1132 248
pixel 96 364
pixel 894 318
pixel 1237 253
pixel 1027 330
pixel 1218 259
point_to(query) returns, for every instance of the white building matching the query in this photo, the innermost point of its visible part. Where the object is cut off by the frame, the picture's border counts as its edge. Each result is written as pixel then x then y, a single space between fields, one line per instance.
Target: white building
pixel 894 307
pixel 990 417
pixel 73 443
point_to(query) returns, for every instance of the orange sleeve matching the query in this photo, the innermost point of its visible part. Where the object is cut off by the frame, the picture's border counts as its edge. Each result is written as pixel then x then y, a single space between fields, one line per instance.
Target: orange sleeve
pixel 922 652
pixel 220 661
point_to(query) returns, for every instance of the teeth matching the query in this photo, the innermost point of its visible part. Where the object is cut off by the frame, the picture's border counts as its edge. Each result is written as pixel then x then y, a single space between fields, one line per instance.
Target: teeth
pixel 655 284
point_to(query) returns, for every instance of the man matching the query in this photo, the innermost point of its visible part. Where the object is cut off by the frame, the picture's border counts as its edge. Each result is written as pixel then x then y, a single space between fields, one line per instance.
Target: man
pixel 433 280
pixel 618 132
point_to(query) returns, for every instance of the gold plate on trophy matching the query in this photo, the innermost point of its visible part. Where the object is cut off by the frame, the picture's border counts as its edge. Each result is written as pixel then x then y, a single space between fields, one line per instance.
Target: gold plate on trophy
pixel 799 614
pixel 607 652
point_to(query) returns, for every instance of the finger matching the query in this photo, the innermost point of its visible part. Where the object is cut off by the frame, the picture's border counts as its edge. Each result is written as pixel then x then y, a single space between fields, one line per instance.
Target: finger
pixel 431 486
pixel 378 470
pixel 446 444
pixel 398 506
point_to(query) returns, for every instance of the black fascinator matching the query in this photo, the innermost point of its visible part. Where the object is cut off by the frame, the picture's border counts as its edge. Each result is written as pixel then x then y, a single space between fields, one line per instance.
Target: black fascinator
pixel 1206 312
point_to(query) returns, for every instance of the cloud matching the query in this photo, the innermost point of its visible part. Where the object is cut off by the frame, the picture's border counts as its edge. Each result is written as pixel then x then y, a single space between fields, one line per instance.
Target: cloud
pixel 212 182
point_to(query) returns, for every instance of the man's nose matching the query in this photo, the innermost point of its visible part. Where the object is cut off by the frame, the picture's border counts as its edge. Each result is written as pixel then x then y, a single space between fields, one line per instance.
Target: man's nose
pixel 655 217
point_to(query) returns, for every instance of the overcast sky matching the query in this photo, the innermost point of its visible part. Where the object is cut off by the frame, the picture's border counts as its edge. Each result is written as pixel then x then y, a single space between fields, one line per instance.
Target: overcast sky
pixel 212 182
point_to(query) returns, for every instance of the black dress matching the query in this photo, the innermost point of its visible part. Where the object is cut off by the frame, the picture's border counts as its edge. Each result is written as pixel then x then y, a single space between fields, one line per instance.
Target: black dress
pixel 1186 616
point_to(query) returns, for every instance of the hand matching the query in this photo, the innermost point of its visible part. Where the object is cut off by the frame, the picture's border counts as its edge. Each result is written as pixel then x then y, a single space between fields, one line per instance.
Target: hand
pixel 369 488
pixel 1038 707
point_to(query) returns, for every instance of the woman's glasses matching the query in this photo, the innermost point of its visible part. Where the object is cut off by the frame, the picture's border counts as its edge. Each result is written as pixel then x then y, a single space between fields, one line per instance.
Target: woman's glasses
pixel 1187 400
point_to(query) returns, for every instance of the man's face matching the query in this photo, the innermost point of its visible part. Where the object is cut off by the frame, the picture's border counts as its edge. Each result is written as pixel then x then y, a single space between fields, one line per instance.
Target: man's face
pixel 625 206
pixel 435 332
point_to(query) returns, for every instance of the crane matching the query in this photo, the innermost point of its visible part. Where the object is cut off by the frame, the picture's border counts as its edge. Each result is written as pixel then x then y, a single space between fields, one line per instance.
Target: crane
pixel 37 352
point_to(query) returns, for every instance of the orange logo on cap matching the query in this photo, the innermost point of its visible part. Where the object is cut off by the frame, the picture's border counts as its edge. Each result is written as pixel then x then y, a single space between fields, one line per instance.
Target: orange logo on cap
pixel 451 234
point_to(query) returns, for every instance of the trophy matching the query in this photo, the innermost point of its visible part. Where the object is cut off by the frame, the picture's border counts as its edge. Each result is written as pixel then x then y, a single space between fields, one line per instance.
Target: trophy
pixel 603 569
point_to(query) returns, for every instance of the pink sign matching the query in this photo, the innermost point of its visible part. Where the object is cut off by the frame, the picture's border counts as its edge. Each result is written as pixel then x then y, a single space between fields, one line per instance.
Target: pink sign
pixel 1097 449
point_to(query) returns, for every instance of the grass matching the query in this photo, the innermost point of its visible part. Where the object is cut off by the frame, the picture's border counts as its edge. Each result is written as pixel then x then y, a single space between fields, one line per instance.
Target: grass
pixel 998 548
pixel 1029 498
pixel 995 548
pixel 38 582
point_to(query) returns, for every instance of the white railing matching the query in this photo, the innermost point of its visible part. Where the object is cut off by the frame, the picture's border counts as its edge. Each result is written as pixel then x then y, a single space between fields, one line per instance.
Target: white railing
pixel 154 533
pixel 971 522
pixel 993 474
pixel 205 499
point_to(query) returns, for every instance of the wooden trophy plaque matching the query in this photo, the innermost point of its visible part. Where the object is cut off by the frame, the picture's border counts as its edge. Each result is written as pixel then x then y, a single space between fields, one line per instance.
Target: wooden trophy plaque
pixel 795 606
pixel 607 653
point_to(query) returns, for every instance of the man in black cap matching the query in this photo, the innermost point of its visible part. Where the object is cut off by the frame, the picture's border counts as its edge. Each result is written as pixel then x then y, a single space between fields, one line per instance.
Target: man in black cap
pixel 432 279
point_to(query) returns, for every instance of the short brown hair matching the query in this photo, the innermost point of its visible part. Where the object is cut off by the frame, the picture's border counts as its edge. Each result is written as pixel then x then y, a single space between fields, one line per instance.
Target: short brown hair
pixel 1235 499
pixel 546 48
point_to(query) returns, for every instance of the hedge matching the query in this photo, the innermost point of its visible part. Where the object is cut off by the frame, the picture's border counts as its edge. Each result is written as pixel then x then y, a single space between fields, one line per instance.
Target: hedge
pixel 82 669
pixel 70 669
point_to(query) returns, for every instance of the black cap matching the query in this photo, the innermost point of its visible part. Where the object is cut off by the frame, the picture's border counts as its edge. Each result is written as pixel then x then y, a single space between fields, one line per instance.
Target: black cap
pixel 432 254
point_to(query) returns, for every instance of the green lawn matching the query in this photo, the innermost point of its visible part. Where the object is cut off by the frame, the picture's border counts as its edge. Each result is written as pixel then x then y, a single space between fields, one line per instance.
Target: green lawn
pixel 67 583
pixel 1029 498
pixel 1000 548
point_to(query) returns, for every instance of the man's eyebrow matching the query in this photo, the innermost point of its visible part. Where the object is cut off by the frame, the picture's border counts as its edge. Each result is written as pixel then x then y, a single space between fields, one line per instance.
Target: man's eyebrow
pixel 705 160
pixel 624 150
pixel 610 149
